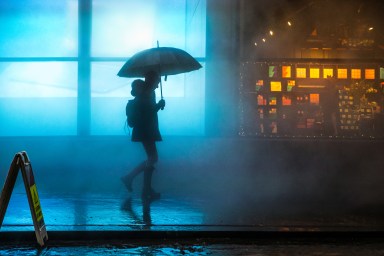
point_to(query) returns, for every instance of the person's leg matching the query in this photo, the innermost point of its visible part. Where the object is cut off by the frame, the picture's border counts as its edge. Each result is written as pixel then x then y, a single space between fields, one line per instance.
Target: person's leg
pixel 128 179
pixel 152 158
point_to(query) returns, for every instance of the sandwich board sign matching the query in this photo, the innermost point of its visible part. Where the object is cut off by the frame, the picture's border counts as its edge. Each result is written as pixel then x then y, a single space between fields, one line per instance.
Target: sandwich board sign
pixel 21 162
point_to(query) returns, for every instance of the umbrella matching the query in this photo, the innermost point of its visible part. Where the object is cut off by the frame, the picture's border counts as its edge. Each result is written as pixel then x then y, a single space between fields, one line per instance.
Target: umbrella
pixel 165 60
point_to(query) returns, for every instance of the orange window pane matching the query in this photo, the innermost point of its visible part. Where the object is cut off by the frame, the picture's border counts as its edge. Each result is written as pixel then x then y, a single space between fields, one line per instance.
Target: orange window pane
pixel 314 73
pixel 356 73
pixel 261 101
pixel 301 72
pixel 286 72
pixel 342 73
pixel 314 98
pixel 327 72
pixel 287 101
pixel 275 86
pixel 369 74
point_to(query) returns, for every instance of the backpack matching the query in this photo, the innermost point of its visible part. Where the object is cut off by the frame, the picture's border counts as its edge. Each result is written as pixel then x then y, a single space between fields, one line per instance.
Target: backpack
pixel 130 112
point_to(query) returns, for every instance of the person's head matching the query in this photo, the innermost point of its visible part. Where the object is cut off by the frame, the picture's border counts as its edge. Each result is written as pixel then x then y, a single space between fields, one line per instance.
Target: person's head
pixel 137 87
pixel 152 79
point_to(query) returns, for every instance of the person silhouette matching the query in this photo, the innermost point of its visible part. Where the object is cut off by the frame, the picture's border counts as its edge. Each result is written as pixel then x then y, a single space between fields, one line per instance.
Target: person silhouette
pixel 146 130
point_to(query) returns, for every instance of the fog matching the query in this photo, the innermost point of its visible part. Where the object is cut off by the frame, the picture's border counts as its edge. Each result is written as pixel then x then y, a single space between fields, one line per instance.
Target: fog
pixel 236 180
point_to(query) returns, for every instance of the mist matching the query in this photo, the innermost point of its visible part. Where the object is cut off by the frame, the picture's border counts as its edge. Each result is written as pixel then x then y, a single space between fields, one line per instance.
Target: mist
pixel 203 158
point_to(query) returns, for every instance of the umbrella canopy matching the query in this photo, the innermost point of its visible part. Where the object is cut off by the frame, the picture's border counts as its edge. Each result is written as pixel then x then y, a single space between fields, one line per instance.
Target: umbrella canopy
pixel 165 60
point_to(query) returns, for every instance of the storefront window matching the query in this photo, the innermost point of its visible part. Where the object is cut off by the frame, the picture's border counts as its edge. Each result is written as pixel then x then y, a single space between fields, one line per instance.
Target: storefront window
pixel 38 28
pixel 301 72
pixel 327 72
pixel 272 71
pixel 38 98
pixel 314 73
pixel 123 28
pixel 355 73
pixel 342 73
pixel 275 86
pixel 286 70
pixel 369 74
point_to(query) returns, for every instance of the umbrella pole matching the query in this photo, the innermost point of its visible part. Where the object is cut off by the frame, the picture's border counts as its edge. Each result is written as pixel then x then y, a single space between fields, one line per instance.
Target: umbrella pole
pixel 161 88
pixel 161 84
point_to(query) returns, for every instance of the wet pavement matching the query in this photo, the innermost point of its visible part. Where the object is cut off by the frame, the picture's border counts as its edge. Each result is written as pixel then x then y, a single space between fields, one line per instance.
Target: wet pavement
pixel 102 224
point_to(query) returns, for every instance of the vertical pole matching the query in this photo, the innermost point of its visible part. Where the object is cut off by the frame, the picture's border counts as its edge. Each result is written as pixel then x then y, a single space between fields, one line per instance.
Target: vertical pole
pixel 84 68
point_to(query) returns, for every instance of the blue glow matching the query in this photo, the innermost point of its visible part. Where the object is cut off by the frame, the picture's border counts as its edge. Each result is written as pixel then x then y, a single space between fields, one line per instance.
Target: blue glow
pixel 38 98
pixel 122 28
pixel 31 28
pixel 184 113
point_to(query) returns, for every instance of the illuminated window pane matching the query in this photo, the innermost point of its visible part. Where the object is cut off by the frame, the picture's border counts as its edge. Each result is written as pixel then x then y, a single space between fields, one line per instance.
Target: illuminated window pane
pixel 369 74
pixel 122 28
pixel 286 100
pixel 314 98
pixel 314 73
pixel 327 72
pixel 286 70
pixel 381 73
pixel 41 28
pixel 356 73
pixel 261 101
pixel 290 85
pixel 272 100
pixel 272 71
pixel 38 98
pixel 301 72
pixel 342 73
pixel 275 86
pixel 259 85
pixel 183 94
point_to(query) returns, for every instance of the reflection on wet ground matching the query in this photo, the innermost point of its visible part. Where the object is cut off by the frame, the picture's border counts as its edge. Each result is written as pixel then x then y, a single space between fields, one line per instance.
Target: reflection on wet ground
pixel 103 212
pixel 92 213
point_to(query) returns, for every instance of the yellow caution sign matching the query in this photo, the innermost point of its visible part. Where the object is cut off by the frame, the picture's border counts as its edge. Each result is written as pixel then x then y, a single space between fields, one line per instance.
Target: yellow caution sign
pixel 36 203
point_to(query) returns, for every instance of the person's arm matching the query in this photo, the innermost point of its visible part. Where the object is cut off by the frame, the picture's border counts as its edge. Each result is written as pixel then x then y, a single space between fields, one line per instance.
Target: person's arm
pixel 160 105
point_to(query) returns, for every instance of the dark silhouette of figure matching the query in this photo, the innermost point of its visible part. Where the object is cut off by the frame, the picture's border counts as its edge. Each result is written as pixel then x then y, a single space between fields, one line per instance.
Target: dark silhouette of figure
pixel 146 131
pixel 331 109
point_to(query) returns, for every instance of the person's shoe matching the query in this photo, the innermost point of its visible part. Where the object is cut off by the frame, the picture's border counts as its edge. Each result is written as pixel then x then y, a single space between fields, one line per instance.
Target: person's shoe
pixel 127 180
pixel 151 196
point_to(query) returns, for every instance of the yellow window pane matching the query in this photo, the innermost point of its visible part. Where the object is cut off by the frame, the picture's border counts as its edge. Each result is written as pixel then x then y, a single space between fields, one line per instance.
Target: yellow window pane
pixel 286 72
pixel 301 72
pixel 369 74
pixel 356 73
pixel 314 73
pixel 342 73
pixel 275 86
pixel 327 72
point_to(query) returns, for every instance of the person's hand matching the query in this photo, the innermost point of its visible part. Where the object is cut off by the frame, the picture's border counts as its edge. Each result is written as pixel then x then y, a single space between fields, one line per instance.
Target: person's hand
pixel 161 104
